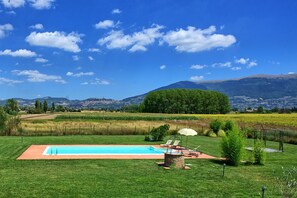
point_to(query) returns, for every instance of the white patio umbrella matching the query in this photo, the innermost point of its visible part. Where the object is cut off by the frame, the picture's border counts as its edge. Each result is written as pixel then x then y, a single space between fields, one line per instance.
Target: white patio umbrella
pixel 187 132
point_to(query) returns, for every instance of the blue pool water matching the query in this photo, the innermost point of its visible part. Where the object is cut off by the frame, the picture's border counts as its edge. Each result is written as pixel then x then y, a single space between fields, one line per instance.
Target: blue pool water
pixel 103 150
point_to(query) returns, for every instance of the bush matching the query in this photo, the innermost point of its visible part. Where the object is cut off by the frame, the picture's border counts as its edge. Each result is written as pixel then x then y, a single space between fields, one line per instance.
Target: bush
pixel 221 133
pixel 211 134
pixel 259 153
pixel 205 132
pixel 232 147
pixel 159 133
pixel 229 125
pixel 216 125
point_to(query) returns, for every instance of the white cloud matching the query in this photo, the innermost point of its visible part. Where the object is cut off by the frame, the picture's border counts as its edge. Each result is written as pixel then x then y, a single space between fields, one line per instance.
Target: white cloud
pixel 226 64
pixel 41 60
pixel 80 74
pixel 37 26
pixel 75 58
pixel 79 68
pixel 116 11
pixel 197 66
pixel 41 4
pixel 106 24
pixel 242 61
pixel 11 12
pixel 94 50
pixel 4 29
pixel 252 64
pixel 197 40
pixel 97 81
pixel 9 81
pixel 163 67
pixel 135 42
pixel 18 53
pixel 196 78
pixel 91 58
pixel 61 40
pixel 36 76
pixel 13 3
pixel 236 68
pixel 291 72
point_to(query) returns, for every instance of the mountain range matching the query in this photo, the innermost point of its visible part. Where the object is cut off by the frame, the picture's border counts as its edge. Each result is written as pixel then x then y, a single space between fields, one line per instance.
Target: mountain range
pixel 268 91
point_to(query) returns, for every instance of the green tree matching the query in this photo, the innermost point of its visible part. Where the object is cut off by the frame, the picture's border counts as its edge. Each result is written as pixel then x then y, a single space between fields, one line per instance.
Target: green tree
pixel 11 106
pixel 53 108
pixel 37 106
pixel 186 101
pixel 13 125
pixel 45 106
pixel 3 120
pixel 260 109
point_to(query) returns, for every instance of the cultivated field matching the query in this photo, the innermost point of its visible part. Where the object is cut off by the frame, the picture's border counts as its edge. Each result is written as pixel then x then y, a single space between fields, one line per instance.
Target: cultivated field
pixel 91 122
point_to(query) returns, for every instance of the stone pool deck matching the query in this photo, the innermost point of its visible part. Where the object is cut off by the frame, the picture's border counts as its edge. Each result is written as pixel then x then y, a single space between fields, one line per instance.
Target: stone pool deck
pixel 35 152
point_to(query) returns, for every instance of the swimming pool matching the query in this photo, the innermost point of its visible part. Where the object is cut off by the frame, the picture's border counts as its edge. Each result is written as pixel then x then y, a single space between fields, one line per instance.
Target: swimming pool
pixel 104 150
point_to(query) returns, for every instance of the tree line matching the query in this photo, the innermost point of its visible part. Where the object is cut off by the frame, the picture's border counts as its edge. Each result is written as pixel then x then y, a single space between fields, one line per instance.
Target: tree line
pixel 186 101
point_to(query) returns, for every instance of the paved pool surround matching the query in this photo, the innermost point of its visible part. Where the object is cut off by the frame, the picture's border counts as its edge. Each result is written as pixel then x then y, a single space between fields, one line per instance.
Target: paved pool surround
pixel 36 152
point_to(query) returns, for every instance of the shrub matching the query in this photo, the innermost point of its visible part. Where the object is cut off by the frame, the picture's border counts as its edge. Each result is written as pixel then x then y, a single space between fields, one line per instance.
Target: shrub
pixel 221 133
pixel 259 153
pixel 229 125
pixel 159 133
pixel 205 132
pixel 211 134
pixel 232 147
pixel 216 125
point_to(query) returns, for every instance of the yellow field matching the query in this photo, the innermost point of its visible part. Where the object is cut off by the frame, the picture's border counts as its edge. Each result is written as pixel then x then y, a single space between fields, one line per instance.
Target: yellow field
pixel 44 124
pixel 282 120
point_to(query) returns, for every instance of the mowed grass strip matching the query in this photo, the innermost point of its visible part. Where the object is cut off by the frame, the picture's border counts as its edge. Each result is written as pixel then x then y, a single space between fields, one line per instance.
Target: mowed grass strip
pixel 133 178
pixel 122 117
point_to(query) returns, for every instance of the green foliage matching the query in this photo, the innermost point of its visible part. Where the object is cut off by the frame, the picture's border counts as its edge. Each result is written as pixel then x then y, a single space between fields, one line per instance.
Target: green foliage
pixel 11 106
pixel 229 126
pixel 287 182
pixel 260 109
pixel 221 133
pixel 186 101
pixel 13 125
pixel 216 125
pixel 8 124
pixel 53 107
pixel 3 120
pixel 211 133
pixel 133 108
pixel 45 106
pixel 232 147
pixel 259 153
pixel 159 133
pixel 38 108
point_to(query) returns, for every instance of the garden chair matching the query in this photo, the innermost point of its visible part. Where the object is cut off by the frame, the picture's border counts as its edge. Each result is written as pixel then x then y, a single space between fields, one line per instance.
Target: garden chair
pixel 194 152
pixel 167 144
pixel 175 144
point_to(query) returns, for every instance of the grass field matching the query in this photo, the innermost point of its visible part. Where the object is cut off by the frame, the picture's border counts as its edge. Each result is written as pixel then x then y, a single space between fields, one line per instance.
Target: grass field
pixel 106 123
pixel 133 178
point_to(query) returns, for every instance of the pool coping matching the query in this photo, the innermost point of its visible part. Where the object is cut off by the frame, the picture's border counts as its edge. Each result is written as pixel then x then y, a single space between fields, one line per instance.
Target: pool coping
pixel 35 152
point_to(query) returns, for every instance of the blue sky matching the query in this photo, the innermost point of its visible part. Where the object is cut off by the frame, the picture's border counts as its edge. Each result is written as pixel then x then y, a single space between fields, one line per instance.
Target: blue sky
pixel 117 49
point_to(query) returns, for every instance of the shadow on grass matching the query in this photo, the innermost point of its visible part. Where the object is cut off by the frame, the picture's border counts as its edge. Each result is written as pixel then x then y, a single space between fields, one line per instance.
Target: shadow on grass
pixel 218 161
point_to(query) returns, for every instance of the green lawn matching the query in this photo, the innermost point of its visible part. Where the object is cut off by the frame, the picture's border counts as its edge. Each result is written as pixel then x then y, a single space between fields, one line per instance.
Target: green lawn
pixel 132 178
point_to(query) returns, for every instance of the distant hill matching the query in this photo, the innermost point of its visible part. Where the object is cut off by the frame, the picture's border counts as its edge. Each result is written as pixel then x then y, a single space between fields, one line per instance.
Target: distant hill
pixel 268 91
